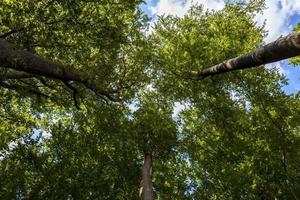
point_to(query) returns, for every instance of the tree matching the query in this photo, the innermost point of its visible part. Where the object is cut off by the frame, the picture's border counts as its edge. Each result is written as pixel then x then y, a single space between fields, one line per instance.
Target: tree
pixel 100 39
pixel 237 127
pixel 237 138
pixel 156 135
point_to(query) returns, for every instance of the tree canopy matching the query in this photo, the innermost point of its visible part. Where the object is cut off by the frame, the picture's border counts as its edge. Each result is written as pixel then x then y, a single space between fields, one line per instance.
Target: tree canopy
pixel 89 103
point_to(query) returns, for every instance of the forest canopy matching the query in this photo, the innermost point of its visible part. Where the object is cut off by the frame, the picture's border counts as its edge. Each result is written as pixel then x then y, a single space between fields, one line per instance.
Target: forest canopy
pixel 89 97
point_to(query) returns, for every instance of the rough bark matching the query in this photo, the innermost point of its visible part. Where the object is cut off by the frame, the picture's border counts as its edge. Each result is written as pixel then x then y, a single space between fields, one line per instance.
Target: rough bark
pixel 146 190
pixel 282 48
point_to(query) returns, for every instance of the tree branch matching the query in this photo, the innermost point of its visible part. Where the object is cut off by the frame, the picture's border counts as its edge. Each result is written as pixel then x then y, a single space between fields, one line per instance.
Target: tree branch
pixel 282 48
pixel 33 64
pixel 25 61
pixel 75 92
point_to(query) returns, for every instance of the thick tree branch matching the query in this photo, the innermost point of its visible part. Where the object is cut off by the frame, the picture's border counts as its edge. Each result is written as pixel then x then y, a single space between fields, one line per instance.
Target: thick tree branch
pixel 33 64
pixel 25 61
pixel 283 48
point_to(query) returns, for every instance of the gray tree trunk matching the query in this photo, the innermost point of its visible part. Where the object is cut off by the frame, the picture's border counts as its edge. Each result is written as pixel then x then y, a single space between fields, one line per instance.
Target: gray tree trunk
pixel 282 48
pixel 146 190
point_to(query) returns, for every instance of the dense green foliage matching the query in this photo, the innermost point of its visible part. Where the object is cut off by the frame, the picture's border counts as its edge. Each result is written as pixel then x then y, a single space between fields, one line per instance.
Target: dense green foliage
pixel 238 136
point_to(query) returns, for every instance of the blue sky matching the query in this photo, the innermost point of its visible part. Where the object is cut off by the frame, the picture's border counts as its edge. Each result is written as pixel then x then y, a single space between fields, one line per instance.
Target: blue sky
pixel 280 17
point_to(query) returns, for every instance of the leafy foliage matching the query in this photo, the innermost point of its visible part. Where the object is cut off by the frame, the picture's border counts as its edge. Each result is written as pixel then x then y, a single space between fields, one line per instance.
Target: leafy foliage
pixel 237 137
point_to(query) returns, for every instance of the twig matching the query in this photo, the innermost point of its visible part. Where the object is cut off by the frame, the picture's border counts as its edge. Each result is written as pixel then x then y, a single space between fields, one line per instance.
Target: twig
pixel 75 92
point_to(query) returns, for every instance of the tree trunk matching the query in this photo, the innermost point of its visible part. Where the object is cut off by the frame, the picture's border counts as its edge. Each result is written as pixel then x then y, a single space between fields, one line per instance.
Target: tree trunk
pixel 146 190
pixel 282 48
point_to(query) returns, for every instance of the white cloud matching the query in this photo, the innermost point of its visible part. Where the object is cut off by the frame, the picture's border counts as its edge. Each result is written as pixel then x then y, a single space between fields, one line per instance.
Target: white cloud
pixel 179 107
pixel 180 7
pixel 277 16
pixel 279 66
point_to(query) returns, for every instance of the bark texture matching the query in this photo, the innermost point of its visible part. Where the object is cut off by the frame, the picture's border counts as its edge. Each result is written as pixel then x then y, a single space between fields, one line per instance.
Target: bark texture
pixel 146 190
pixel 282 48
